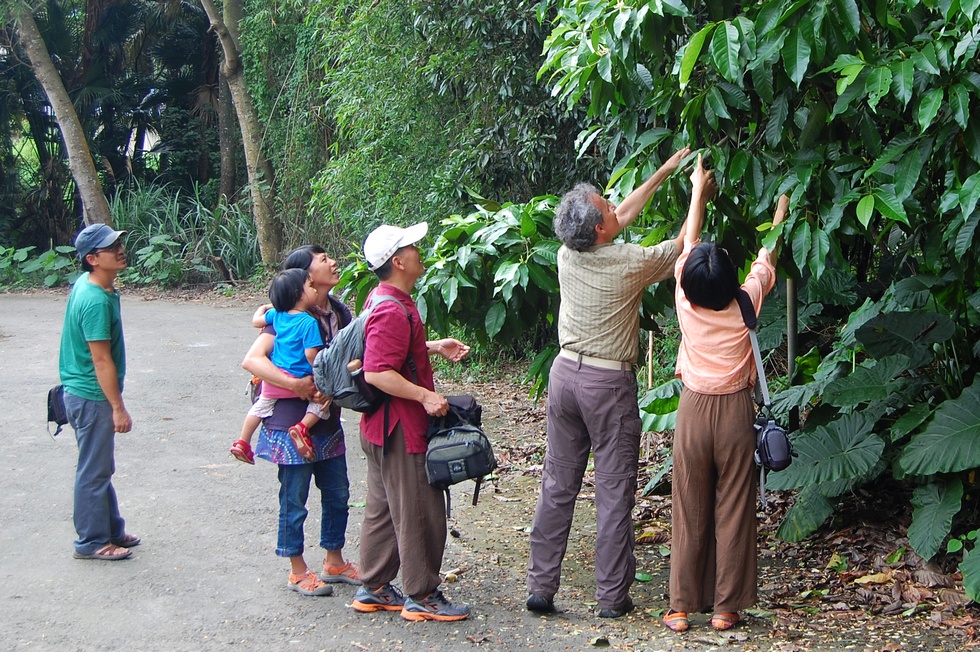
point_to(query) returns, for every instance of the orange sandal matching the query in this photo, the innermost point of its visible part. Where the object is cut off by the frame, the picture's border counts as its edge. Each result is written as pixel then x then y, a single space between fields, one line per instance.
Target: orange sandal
pixel 301 440
pixel 722 622
pixel 347 574
pixel 242 452
pixel 309 584
pixel 676 621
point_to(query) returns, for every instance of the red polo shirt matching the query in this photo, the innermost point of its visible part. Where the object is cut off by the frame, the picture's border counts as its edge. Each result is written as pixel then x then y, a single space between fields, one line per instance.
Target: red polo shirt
pixel 386 346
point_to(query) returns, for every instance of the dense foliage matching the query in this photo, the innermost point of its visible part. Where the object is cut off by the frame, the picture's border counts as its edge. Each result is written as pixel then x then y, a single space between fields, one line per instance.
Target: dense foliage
pixel 395 111
pixel 378 111
pixel 860 111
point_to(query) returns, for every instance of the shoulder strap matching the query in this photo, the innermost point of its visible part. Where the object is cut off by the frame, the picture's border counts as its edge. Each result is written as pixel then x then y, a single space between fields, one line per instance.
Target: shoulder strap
pixel 752 322
pixel 380 298
pixel 343 313
pixel 375 300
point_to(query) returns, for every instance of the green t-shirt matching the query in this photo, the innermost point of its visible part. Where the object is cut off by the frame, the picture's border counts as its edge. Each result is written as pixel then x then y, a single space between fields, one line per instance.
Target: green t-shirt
pixel 92 315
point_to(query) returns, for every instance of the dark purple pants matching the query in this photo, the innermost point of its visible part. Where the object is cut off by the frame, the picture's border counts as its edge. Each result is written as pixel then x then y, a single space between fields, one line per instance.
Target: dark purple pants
pixel 588 409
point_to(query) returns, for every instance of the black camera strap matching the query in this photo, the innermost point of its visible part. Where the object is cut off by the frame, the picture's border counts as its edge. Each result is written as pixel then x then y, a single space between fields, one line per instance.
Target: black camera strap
pixel 752 323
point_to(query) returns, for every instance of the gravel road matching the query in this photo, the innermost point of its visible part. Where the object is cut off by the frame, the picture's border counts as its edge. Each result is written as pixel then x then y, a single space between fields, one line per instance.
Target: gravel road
pixel 206 576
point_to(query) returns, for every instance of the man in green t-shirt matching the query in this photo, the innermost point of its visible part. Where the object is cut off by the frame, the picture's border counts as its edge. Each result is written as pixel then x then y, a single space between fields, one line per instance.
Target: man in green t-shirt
pixel 93 365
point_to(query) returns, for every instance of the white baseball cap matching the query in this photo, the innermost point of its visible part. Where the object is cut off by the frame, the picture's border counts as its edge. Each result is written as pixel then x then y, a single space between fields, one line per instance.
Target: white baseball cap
pixel 384 241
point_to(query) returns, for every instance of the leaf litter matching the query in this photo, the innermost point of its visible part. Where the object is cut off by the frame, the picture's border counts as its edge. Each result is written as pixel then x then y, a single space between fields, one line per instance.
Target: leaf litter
pixel 854 584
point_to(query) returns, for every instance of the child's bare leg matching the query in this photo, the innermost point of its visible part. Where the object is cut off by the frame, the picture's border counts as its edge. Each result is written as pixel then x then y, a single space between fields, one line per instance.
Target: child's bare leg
pixel 249 427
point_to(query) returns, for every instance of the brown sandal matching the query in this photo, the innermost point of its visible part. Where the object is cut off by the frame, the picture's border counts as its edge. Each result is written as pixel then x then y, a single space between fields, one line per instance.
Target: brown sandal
pixel 676 621
pixel 722 622
pixel 108 552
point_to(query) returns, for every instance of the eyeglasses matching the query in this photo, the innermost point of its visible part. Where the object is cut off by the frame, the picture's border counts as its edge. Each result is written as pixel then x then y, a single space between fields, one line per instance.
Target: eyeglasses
pixel 111 249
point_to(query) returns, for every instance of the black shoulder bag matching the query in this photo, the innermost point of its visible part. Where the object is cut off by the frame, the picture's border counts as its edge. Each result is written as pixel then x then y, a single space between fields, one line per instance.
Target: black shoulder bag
pixel 773 450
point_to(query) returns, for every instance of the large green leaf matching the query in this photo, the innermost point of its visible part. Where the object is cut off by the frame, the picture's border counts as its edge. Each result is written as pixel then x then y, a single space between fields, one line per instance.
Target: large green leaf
pixel 662 399
pixel 849 16
pixel 964 238
pixel 934 506
pixel 970 567
pixel 929 107
pixel 842 449
pixel 796 56
pixel 877 85
pixel 819 250
pixel 724 51
pixel 868 383
pixel 959 102
pixel 950 442
pixel 691 53
pixel 889 205
pixel 495 318
pixel 969 195
pixel 807 514
pixel 902 80
pixel 865 209
pixel 909 421
pixel 908 333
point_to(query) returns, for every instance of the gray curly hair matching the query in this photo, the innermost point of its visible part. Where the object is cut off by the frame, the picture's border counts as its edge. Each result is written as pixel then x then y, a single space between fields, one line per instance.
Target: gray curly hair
pixel 577 216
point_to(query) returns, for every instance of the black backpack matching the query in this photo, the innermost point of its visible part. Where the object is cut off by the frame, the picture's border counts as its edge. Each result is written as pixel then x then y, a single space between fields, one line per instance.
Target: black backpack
pixel 458 448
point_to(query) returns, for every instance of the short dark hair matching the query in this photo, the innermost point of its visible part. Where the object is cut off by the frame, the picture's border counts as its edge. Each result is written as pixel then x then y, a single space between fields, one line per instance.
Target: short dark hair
pixel 87 266
pixel 384 272
pixel 710 279
pixel 287 288
pixel 302 257
pixel 577 216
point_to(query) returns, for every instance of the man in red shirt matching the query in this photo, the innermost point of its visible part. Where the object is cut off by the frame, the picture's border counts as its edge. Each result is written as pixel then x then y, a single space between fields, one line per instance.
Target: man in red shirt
pixel 405 517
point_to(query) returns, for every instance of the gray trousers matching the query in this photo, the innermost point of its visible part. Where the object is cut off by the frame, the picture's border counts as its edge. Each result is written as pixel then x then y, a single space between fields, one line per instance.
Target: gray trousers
pixel 96 516
pixel 713 531
pixel 588 409
pixel 404 520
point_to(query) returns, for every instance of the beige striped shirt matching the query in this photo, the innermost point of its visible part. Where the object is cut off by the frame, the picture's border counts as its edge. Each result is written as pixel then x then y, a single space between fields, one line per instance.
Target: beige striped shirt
pixel 601 291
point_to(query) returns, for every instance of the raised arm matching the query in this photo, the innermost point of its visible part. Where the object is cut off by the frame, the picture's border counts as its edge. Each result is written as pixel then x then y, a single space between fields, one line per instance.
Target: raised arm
pixel 703 188
pixel 630 207
pixel 782 208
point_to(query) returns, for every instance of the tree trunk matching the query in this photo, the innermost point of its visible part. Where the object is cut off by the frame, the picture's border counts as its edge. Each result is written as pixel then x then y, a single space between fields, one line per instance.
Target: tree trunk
pixel 94 205
pixel 260 177
pixel 228 142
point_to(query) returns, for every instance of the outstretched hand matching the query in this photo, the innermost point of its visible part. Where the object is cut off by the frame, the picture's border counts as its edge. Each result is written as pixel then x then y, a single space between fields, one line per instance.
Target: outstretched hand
pixel 782 208
pixel 451 349
pixel 670 165
pixel 703 181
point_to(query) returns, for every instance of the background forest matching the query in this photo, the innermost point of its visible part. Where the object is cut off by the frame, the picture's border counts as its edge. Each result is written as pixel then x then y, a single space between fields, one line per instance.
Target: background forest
pixel 220 136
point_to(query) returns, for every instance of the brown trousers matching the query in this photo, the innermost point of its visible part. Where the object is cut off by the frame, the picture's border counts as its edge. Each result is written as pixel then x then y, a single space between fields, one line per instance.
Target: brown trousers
pixel 404 520
pixel 713 541
pixel 588 409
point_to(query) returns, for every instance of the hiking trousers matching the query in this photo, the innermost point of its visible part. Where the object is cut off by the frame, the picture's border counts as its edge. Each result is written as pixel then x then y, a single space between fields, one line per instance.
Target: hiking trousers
pixel 713 535
pixel 589 409
pixel 404 520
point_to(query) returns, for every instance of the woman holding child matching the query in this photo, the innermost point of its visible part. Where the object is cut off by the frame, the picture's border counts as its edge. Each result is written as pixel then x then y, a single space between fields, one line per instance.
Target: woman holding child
pixel 327 465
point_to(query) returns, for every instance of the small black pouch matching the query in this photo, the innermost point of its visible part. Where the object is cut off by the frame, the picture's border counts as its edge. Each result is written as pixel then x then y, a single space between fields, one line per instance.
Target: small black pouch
pixel 57 413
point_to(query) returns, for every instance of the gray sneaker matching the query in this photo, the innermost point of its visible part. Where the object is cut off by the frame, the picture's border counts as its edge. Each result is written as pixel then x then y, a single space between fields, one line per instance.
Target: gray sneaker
pixel 434 606
pixel 386 598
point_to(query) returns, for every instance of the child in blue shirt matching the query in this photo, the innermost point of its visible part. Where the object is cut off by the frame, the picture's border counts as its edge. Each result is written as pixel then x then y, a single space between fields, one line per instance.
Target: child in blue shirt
pixel 298 340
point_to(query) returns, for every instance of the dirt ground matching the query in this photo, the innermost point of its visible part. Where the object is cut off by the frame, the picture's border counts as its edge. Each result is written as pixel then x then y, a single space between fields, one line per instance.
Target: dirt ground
pixel 206 576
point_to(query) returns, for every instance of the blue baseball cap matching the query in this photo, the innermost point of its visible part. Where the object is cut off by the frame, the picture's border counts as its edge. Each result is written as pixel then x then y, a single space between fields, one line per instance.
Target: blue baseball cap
pixel 95 236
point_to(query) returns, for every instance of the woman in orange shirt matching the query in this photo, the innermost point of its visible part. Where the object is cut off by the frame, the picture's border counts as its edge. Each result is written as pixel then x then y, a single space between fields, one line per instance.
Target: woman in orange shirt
pixel 713 547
